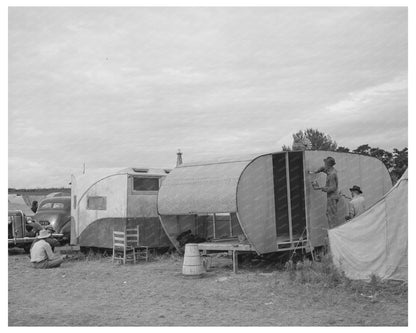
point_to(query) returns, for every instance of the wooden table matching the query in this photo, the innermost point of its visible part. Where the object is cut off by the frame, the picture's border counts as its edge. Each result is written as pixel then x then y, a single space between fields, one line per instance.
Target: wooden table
pixel 231 246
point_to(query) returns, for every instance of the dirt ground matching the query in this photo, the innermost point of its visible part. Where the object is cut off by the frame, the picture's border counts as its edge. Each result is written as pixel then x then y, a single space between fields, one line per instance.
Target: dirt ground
pixel 99 293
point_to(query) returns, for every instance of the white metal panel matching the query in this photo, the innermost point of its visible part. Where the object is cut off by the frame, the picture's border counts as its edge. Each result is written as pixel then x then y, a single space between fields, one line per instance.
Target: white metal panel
pixel 114 188
pixel 353 169
pixel 256 204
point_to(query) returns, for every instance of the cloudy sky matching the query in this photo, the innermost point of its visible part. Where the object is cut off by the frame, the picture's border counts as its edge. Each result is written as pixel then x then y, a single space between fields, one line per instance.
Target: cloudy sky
pixel 115 87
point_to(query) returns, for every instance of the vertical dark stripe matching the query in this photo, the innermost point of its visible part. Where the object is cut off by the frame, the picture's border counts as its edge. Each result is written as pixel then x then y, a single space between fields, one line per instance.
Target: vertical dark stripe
pixel 297 193
pixel 280 195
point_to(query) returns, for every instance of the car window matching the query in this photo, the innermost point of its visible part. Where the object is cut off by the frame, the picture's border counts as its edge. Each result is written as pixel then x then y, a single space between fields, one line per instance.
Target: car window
pixel 58 205
pixel 46 205
pixel 52 205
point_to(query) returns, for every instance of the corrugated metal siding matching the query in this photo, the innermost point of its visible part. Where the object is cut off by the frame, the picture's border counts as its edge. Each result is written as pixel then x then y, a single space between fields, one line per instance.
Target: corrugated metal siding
pixel 201 188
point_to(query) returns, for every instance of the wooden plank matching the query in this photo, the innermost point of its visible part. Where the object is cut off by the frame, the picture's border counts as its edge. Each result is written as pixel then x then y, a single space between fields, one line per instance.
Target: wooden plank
pixel 235 262
pixel 289 204
pixel 225 247
pixel 305 179
pixel 213 226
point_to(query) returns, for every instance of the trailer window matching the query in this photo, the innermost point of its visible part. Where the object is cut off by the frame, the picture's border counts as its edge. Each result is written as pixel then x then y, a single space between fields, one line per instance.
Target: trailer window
pixel 223 225
pixel 145 184
pixel 97 203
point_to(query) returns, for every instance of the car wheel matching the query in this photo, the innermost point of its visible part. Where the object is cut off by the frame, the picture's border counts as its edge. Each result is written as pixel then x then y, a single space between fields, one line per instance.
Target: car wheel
pixel 27 248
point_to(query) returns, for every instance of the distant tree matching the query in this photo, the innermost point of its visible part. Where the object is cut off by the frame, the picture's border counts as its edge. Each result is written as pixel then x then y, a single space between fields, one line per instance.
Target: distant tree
pixel 343 149
pixel 363 149
pixel 400 163
pixel 384 156
pixel 318 140
pixel 286 148
pixel 396 162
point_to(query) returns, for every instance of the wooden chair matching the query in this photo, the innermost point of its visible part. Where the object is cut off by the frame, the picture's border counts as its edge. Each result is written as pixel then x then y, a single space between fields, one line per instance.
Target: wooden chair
pixel 121 250
pixel 133 240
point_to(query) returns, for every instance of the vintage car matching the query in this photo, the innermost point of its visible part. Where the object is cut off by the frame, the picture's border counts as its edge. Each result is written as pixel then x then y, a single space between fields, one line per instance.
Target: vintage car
pixel 21 232
pixel 18 235
pixel 56 211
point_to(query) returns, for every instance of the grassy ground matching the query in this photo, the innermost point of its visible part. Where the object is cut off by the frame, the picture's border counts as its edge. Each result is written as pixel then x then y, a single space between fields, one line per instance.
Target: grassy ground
pixel 96 292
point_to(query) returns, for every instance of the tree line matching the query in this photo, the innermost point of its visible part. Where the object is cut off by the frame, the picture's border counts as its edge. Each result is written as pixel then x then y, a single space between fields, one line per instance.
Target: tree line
pixel 38 190
pixel 396 161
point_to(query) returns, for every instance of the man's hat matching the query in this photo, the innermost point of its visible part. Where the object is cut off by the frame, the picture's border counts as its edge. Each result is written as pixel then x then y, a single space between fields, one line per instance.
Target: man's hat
pixel 356 188
pixel 330 160
pixel 43 234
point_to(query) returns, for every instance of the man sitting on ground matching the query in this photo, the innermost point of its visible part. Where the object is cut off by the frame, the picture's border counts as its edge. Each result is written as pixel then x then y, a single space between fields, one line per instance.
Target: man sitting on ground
pixel 53 242
pixel 41 253
pixel 356 205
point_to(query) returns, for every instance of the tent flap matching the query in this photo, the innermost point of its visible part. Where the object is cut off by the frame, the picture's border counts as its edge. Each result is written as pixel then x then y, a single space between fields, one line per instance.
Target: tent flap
pixel 375 243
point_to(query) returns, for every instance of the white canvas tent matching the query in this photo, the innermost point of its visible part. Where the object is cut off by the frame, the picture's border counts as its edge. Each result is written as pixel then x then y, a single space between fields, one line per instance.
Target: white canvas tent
pixel 376 241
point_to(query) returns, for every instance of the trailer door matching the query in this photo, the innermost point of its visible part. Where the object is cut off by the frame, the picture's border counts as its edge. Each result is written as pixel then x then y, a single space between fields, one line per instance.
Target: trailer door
pixel 289 195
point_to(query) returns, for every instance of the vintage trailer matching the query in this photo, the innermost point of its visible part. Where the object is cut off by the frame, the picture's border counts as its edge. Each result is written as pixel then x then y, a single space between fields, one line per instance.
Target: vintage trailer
pixel 108 200
pixel 262 203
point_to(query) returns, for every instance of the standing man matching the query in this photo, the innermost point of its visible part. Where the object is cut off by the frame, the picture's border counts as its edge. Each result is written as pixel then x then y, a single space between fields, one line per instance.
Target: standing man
pixel 331 189
pixel 34 207
pixel 356 205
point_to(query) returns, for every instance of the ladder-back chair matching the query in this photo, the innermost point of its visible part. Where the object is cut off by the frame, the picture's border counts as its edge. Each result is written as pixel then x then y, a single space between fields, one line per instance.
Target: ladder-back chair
pixel 133 240
pixel 121 250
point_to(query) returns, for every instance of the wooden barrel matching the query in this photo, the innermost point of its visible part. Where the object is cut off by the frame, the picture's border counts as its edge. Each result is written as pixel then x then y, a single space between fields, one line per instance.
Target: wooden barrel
pixel 192 263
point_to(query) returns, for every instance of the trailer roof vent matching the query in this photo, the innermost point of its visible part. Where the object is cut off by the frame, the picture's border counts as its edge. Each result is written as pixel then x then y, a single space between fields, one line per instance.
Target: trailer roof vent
pixel 140 170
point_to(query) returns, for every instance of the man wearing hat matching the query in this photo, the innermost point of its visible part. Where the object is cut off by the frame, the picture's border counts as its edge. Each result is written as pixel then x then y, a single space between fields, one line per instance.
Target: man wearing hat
pixel 41 254
pixel 356 205
pixel 331 189
pixel 53 242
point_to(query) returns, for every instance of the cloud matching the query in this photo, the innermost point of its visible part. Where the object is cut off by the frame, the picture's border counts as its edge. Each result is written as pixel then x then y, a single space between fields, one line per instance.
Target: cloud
pixel 382 107
pixel 116 87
